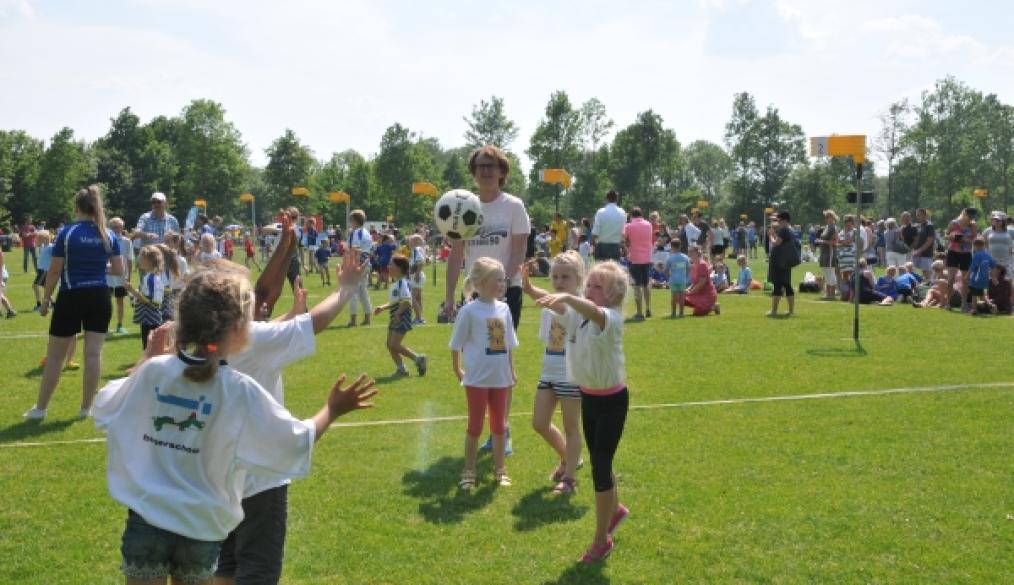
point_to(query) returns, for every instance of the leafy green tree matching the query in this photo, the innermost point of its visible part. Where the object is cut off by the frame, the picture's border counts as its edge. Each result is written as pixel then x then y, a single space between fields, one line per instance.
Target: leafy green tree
pixel 999 119
pixel 290 164
pixel 455 174
pixel 890 143
pixel 555 144
pixel 211 156
pixel 402 161
pixel 646 163
pixel 764 150
pixel 488 124
pixel 709 166
pixel 65 168
pixel 20 157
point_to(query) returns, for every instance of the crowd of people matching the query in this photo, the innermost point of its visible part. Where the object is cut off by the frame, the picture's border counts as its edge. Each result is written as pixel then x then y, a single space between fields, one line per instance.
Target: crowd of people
pixel 211 357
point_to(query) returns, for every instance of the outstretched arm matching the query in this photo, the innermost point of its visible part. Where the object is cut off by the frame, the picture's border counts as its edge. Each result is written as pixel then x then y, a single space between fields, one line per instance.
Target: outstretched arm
pixel 583 306
pixel 270 282
pixel 343 400
pixel 350 272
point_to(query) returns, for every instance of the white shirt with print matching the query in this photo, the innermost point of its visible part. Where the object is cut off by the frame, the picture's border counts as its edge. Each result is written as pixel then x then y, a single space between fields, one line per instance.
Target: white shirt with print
pixel 502 218
pixel 594 356
pixel 484 334
pixel 179 451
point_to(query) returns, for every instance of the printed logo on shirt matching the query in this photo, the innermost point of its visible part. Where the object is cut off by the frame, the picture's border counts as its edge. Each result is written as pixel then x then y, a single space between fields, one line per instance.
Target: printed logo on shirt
pixel 191 421
pixel 489 236
pixel 557 339
pixel 496 340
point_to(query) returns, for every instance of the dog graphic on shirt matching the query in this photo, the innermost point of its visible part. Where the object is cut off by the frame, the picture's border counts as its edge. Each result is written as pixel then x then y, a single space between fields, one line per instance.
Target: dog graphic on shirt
pixel 496 336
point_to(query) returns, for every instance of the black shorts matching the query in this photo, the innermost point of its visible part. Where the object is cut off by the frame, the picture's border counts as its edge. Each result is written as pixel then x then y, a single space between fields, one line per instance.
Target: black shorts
pixel 40 278
pixel 118 291
pixel 639 272
pixel 975 291
pixel 87 308
pixel 959 260
pixel 253 552
pixel 605 251
pixel 294 270
pixel 512 296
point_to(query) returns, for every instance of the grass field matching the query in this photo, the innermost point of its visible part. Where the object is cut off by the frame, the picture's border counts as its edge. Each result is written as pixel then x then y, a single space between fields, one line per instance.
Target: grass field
pixel 907 487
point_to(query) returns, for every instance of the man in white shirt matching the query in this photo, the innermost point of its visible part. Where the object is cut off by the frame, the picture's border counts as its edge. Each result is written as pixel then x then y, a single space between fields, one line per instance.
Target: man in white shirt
pixel 607 231
pixel 360 244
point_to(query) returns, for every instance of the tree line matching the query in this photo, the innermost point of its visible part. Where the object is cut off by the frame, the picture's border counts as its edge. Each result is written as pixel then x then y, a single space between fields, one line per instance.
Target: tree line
pixel 937 152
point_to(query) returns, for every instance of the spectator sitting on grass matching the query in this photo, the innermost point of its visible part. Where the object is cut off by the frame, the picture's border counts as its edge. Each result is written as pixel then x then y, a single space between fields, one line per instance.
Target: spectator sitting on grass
pixel 887 284
pixel 905 284
pixel 998 294
pixel 743 280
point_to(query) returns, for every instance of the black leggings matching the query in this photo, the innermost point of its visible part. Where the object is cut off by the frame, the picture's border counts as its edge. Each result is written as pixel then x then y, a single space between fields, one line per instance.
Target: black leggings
pixel 782 286
pixel 603 418
pixel 145 330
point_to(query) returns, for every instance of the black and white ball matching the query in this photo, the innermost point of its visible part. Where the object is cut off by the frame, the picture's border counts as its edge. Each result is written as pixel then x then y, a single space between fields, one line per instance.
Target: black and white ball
pixel 458 214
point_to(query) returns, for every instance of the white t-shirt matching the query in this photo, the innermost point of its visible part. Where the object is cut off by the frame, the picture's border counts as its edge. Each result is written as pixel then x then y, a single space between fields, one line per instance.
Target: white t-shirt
pixel 594 357
pixel 417 256
pixel 153 288
pixel 126 252
pixel 503 218
pixel 484 334
pixel 693 234
pixel 400 290
pixel 184 267
pixel 584 249
pixel 554 357
pixel 361 239
pixel 208 256
pixel 179 451
pixel 273 346
pixel 418 279
pixel 609 222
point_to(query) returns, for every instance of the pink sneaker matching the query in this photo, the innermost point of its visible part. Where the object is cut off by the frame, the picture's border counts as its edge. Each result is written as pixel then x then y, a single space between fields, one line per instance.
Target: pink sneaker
pixel 621 514
pixel 596 553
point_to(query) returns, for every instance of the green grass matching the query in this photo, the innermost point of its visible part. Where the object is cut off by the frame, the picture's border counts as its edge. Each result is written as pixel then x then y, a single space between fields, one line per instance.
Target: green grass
pixel 900 488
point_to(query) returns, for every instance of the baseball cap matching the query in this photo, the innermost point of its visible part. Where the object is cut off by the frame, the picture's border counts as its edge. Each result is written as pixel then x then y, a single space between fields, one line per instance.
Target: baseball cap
pixel 158 196
pixel 998 215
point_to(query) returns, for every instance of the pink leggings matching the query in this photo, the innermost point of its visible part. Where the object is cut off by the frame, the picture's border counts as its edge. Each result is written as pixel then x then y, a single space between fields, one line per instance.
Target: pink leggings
pixel 478 398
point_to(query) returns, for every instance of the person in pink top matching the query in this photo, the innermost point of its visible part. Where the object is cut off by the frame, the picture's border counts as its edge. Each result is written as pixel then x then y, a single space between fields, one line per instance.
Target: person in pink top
pixel 701 296
pixel 639 237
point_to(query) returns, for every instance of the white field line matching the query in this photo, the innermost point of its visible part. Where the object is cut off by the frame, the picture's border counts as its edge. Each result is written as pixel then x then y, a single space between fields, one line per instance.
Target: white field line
pixel 722 402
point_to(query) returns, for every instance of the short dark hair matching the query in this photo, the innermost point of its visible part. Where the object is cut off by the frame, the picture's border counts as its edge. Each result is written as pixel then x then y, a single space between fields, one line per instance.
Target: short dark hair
pixel 636 212
pixel 612 196
pixel 401 262
pixel 495 153
pixel 784 216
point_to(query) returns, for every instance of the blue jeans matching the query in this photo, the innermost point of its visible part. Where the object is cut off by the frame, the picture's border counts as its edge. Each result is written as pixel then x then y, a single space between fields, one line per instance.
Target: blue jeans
pixel 153 553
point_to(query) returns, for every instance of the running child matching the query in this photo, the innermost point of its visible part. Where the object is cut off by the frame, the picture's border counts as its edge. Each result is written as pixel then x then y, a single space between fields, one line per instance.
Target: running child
pixel 595 362
pixel 251 254
pixel 178 456
pixel 148 299
pixel 45 249
pixel 484 339
pixel 555 387
pixel 400 305
pixel 677 265
pixel 321 254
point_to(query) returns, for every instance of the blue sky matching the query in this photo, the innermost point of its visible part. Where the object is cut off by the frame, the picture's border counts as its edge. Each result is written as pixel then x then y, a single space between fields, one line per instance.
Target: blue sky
pixel 339 73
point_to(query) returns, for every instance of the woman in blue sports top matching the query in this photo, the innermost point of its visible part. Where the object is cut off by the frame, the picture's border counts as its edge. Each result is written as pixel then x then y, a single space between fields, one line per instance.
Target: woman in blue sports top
pixel 83 253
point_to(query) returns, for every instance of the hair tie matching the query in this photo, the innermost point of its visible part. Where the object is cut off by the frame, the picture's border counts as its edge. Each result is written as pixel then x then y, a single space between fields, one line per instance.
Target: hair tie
pixel 190 359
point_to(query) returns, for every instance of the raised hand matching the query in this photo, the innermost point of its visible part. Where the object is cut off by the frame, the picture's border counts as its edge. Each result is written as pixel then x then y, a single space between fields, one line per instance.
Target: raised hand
pixel 351 270
pixel 354 397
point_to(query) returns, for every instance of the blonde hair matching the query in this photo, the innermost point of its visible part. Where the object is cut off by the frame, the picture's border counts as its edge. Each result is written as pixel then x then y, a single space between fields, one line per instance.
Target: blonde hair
pixel 211 304
pixel 571 260
pixel 89 202
pixel 482 268
pixel 172 266
pixel 153 255
pixel 614 281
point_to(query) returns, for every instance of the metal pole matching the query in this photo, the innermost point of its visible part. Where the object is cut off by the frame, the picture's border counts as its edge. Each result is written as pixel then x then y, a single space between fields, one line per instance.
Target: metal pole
pixel 855 241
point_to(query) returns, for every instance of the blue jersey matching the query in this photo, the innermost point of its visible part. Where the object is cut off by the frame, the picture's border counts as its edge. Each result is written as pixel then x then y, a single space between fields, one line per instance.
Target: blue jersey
pixel 678 267
pixel 906 282
pixel 978 272
pixel 744 279
pixel 384 253
pixel 322 254
pixel 84 256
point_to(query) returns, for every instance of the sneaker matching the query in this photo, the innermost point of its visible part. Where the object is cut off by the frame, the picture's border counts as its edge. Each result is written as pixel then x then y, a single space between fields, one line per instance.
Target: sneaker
pixel 621 514
pixel 84 413
pixel 420 321
pixel 488 445
pixel 399 373
pixel 718 309
pixel 420 364
pixel 500 478
pixel 467 481
pixel 12 314
pixel 637 317
pixel 596 553
pixel 120 330
pixel 647 313
pixel 38 307
pixel 72 365
pixel 35 413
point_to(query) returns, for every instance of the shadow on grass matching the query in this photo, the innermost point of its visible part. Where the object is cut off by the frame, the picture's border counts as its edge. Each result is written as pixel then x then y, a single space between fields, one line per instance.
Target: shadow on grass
pixel 437 487
pixel 581 574
pixel 385 380
pixel 838 352
pixel 32 428
pixel 542 506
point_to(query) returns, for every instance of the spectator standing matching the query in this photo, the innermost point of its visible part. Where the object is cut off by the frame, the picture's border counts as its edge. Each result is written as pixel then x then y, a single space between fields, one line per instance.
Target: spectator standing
pixel 27 233
pixel 607 231
pixel 638 236
pixel 153 225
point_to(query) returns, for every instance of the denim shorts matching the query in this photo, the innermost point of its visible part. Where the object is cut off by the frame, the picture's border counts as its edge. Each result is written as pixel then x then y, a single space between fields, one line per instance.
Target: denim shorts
pixel 153 553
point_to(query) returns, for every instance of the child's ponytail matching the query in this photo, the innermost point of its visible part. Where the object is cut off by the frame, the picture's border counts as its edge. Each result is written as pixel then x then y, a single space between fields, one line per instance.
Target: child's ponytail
pixel 210 306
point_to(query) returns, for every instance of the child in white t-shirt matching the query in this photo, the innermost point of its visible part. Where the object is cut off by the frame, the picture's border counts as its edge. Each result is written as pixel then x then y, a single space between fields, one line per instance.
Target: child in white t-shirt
pixel 484 339
pixel 417 276
pixel 555 386
pixel 208 251
pixel 596 364
pixel 148 298
pixel 184 429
